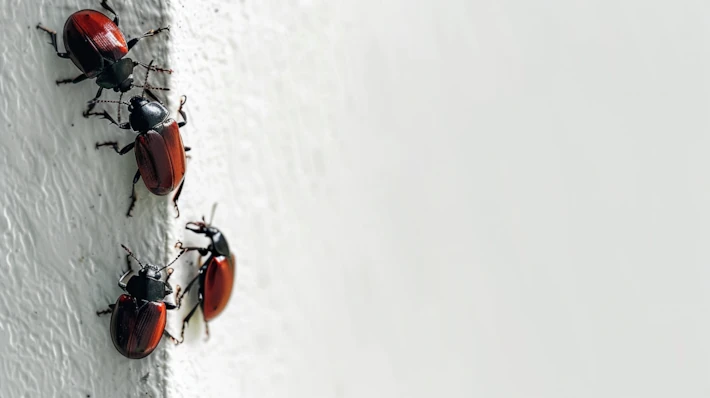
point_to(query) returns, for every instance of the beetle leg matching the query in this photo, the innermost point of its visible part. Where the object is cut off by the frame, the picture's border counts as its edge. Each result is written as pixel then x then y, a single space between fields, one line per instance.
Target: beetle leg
pixel 133 193
pixel 92 104
pixel 107 116
pixel 53 37
pixel 149 33
pixel 182 113
pixel 187 320
pixel 106 311
pixel 203 250
pixel 174 340
pixel 104 115
pixel 177 196
pixel 189 285
pixel 75 80
pixel 114 145
pixel 207 331
pixel 108 8
pixel 127 149
pixel 169 271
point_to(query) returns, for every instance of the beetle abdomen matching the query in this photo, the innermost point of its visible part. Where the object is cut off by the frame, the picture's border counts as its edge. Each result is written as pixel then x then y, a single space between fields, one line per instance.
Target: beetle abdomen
pixel 136 327
pixel 217 285
pixel 161 158
pixel 90 37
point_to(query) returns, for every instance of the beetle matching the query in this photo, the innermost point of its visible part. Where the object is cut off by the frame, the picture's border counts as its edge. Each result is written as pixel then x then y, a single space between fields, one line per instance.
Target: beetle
pixel 138 318
pixel 215 277
pixel 159 150
pixel 98 48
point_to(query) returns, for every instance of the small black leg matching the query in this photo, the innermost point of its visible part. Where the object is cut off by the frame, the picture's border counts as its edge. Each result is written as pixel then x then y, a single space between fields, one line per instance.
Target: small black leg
pixel 75 80
pixel 53 38
pixel 106 311
pixel 133 193
pixel 187 320
pixel 108 8
pixel 177 196
pixel 203 250
pixel 182 113
pixel 114 145
pixel 173 339
pixel 187 289
pixel 149 33
pixel 92 104
pixel 107 116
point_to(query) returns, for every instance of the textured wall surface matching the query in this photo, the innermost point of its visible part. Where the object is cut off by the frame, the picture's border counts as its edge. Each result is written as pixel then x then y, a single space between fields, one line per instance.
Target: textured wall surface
pixel 63 215
pixel 458 199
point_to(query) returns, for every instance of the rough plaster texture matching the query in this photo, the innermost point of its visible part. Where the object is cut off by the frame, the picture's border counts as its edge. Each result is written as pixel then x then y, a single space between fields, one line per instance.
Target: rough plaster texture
pixel 63 216
pixel 468 198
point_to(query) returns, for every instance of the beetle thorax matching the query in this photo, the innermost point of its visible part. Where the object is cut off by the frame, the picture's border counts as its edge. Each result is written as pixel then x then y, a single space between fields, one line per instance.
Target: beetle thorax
pixel 146 115
pixel 117 76
pixel 146 285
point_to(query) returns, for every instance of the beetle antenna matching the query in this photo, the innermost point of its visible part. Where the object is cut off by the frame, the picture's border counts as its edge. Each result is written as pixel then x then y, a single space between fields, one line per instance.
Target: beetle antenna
pixel 153 68
pixel 147 73
pixel 172 262
pixel 130 253
pixel 151 87
pixel 112 102
pixel 120 97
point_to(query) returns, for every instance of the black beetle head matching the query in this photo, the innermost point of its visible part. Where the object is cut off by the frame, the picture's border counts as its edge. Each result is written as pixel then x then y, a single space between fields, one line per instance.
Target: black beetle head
pixel 145 115
pixel 150 271
pixel 219 243
pixel 136 103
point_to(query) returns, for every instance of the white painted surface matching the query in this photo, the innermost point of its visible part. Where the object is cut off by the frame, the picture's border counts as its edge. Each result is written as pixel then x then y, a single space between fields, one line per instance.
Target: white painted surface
pixel 495 199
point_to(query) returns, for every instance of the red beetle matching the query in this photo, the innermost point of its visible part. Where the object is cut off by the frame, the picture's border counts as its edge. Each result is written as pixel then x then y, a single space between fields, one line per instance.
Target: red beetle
pixel 139 317
pixel 216 276
pixel 160 153
pixel 97 47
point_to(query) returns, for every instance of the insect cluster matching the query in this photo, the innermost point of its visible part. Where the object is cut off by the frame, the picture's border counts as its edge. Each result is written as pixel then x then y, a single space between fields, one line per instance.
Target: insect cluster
pixel 96 45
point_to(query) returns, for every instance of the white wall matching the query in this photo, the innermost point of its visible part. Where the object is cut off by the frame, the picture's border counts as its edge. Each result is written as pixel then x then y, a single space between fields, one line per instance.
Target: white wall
pixel 495 199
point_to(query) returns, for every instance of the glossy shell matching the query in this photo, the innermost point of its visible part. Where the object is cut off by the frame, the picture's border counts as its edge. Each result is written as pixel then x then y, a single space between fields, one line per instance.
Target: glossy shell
pixel 217 283
pixel 136 329
pixel 92 39
pixel 161 158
